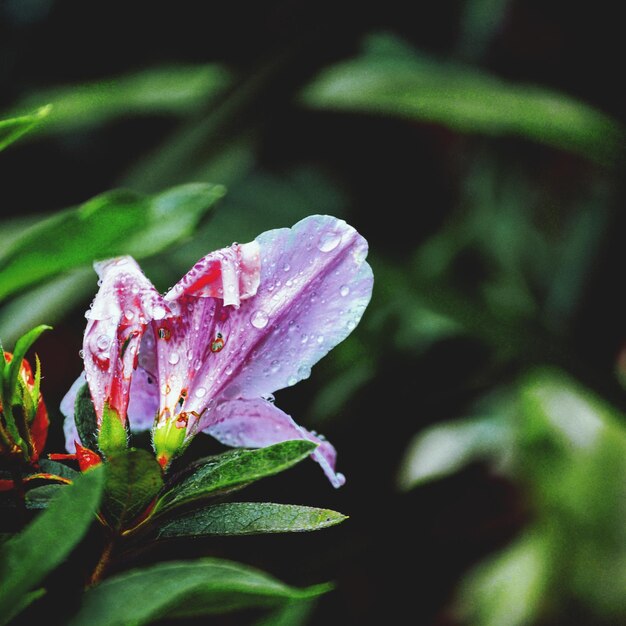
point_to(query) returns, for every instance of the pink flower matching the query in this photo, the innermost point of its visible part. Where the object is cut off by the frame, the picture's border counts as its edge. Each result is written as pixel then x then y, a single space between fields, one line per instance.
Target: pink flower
pixel 244 322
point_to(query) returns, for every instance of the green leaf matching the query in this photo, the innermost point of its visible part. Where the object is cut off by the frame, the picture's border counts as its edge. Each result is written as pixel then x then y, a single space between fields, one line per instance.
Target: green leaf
pixel 23 603
pixel 511 587
pixel 249 518
pixel 40 497
pixel 27 558
pixel 445 448
pixel 59 469
pixel 85 418
pixel 183 589
pixel 393 81
pixel 13 128
pixel 232 470
pixel 115 223
pixel 574 463
pixel 176 90
pixel 133 481
pixel 294 613
pixel 19 352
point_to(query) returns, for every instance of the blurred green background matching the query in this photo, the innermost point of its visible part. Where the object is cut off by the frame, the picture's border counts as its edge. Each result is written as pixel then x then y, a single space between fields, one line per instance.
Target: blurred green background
pixel 479 408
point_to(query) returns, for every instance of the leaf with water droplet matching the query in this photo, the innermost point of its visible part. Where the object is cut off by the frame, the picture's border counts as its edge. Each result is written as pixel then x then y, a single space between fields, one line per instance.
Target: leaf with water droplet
pixel 232 470
pixel 248 518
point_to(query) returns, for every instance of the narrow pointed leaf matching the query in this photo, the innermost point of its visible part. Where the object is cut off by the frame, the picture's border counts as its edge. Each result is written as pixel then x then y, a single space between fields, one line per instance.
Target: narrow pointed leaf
pixel 175 90
pixel 13 128
pixel 390 79
pixel 183 589
pixel 114 223
pixel 133 480
pixel 28 557
pixel 19 352
pixel 233 470
pixel 249 518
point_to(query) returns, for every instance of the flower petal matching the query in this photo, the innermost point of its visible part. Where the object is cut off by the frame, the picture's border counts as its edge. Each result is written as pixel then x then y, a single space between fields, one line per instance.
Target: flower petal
pixel 315 285
pixel 67 409
pixel 121 310
pixel 258 423
pixel 231 274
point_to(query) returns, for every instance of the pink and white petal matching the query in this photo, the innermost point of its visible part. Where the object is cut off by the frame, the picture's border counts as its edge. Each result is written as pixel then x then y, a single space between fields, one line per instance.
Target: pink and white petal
pixel 144 400
pixel 315 285
pixel 123 306
pixel 257 423
pixel 230 274
pixel 67 409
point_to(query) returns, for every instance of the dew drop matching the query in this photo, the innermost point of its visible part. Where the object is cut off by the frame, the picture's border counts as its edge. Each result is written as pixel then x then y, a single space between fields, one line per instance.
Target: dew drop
pixel 200 392
pixel 259 319
pixel 129 315
pixel 158 312
pixel 81 354
pixel 286 267
pixel 103 342
pixel 304 371
pixel 292 380
pixel 351 324
pixel 320 339
pixel 174 358
pixel 328 241
pixel 344 290
pixel 275 366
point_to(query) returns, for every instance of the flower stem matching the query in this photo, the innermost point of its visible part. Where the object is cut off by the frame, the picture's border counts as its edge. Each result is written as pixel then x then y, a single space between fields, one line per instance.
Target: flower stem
pixel 103 563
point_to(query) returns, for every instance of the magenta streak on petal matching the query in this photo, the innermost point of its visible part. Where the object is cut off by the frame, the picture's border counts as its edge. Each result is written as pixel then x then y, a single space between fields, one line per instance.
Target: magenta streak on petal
pixel 197 303
pixel 258 423
pixel 122 308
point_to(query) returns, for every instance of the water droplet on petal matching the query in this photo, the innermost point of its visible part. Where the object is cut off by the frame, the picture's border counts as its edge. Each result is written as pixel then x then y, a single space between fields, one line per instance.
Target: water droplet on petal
pixel 304 371
pixel 103 342
pixel 351 324
pixel 81 354
pixel 286 267
pixel 129 315
pixel 259 319
pixel 292 380
pixel 275 366
pixel 200 392
pixel 344 290
pixel 158 312
pixel 174 358
pixel 320 339
pixel 328 241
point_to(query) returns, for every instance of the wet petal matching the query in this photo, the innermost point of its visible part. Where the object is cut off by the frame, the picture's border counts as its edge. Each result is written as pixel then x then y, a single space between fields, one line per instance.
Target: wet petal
pixel 258 423
pixel 144 400
pixel 231 274
pixel 67 409
pixel 315 285
pixel 121 310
